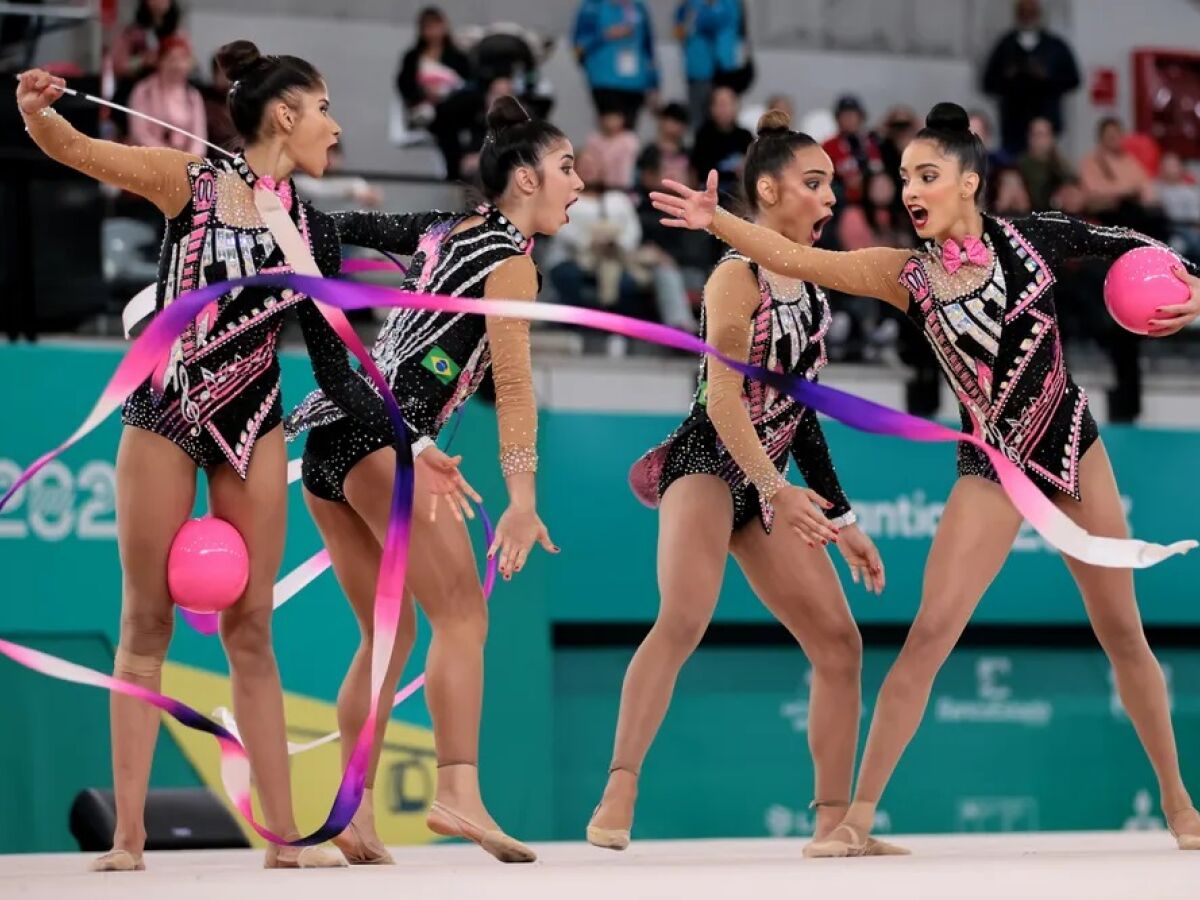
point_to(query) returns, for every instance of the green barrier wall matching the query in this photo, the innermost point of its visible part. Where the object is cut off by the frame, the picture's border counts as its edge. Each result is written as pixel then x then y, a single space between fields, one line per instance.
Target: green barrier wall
pixel 549 715
pixel 1014 739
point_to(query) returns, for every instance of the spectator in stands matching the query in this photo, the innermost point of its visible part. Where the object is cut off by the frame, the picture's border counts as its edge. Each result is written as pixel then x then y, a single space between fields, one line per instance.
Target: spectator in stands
pixel 591 260
pixel 136 49
pixel 135 52
pixel 475 128
pixel 614 42
pixel 899 128
pixel 679 258
pixel 784 104
pixel 513 51
pixel 981 125
pixel 709 31
pixel 876 222
pixel 614 150
pixel 1029 71
pixel 435 83
pixel 721 143
pixel 1119 190
pixel 735 60
pixel 854 151
pixel 1008 194
pixel 167 95
pixel 1043 166
pixel 216 108
pixel 866 327
pixel 1180 196
pixel 1083 317
pixel 671 153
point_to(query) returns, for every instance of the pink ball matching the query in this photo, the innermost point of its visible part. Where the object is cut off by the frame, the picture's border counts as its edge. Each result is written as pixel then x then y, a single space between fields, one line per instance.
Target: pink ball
pixel 208 565
pixel 1139 282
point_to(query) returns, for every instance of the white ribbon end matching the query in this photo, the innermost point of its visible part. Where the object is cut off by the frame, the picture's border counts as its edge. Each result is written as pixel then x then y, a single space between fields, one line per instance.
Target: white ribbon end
pixel 1152 554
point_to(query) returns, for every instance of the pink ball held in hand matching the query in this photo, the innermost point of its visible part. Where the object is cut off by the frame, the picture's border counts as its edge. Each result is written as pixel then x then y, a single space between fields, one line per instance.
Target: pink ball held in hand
pixel 1139 282
pixel 208 565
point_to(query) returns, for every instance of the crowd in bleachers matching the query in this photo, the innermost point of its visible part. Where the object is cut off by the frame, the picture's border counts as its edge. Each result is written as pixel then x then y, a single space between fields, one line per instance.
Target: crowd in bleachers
pixel 615 254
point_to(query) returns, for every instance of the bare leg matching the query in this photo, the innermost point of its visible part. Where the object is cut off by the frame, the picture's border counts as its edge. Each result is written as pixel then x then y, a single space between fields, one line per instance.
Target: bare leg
pixel 1109 598
pixel 156 488
pixel 972 541
pixel 443 576
pixel 355 555
pixel 694 525
pixel 801 588
pixel 257 507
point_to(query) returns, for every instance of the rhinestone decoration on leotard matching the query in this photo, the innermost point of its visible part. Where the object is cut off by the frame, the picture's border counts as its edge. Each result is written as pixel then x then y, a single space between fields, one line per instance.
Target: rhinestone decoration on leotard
pixel 787 335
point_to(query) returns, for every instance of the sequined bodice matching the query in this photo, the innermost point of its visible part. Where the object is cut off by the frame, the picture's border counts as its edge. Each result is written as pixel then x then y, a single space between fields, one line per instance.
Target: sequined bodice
pixel 222 373
pixel 435 361
pixel 995 333
pixel 789 328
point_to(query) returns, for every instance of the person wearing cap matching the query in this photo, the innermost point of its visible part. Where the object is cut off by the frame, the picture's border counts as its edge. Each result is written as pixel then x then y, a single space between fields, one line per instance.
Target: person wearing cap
pixel 854 151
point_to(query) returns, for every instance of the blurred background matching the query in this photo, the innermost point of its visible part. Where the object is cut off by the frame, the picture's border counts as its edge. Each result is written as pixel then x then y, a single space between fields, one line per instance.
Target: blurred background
pixel 1087 106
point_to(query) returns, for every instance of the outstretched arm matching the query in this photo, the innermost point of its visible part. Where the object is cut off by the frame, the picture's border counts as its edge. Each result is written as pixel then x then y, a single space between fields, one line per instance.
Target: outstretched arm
pixel 516 413
pixel 861 273
pixel 338 379
pixel 1061 238
pixel 382 231
pixel 157 173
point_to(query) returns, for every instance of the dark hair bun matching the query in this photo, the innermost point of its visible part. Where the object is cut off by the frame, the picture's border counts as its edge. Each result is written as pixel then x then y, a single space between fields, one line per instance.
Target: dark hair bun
pixel 774 121
pixel 948 117
pixel 505 113
pixel 238 59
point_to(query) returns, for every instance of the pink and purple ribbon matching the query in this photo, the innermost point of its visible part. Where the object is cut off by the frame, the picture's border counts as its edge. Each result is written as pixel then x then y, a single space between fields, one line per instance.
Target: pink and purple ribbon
pixel 140 363
pixel 333 297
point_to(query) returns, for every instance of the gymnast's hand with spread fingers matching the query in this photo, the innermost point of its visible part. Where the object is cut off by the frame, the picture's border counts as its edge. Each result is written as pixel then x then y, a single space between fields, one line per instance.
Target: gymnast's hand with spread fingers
pixel 517 531
pixel 861 555
pixel 686 207
pixel 1175 318
pixel 437 474
pixel 37 89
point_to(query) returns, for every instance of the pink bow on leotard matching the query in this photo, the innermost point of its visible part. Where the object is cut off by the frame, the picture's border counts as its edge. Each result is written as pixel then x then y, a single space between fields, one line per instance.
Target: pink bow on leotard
pixel 973 251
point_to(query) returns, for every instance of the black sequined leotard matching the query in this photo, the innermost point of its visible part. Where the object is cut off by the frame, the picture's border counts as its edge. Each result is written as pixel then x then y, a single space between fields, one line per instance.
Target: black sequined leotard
pixel 993 327
pixel 995 332
pixel 222 378
pixel 219 384
pixel 433 361
pixel 788 330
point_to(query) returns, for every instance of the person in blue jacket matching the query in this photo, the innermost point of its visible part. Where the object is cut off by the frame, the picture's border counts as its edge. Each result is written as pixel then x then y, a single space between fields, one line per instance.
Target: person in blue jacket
pixel 614 41
pixel 710 32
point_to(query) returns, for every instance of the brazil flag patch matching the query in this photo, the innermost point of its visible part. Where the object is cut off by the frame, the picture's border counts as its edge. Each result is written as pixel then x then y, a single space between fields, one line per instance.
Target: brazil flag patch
pixel 702 394
pixel 438 362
